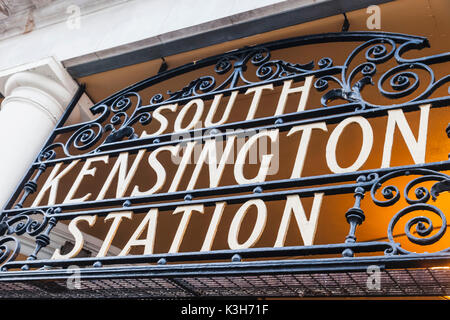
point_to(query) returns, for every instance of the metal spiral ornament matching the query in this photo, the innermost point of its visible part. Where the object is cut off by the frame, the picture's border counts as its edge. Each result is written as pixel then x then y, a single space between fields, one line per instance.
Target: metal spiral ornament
pixel 223 65
pixel 403 80
pixel 325 62
pixel 121 104
pixel 260 56
pixel 156 99
pixel 422 225
pixel 204 84
pixel 86 137
pixel 6 253
pixel 49 153
pixel 378 53
pixel 268 70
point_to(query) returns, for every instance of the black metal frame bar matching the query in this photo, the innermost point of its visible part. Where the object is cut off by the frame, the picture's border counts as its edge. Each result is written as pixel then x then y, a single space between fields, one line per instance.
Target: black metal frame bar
pixel 221 192
pixel 289 266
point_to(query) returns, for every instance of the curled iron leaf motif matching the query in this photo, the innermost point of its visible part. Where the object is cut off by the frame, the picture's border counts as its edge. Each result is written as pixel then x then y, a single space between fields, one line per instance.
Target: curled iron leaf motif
pixel 280 69
pixel 120 118
pixel 194 88
pixel 48 153
pixel 260 56
pixel 86 137
pixel 325 62
pixel 6 252
pixel 350 91
pixel 120 134
pixel 439 187
pixel 157 98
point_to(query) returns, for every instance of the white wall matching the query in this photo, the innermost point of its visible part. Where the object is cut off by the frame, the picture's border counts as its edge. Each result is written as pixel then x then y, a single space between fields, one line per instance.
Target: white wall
pixel 126 22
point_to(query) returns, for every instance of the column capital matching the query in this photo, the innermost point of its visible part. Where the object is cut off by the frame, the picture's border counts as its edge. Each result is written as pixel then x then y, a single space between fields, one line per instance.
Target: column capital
pixel 48 84
pixel 39 91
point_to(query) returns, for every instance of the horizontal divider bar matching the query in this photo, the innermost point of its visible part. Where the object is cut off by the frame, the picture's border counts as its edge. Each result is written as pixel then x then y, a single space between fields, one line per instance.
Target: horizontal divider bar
pixel 268 252
pixel 198 270
pixel 234 189
pixel 270 196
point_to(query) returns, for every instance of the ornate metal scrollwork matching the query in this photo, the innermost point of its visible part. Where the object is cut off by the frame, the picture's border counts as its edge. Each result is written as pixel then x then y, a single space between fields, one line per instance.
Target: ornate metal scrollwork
pixel 422 225
pixel 236 65
pixel 403 81
pixel 89 134
pixel 119 107
pixel 23 223
pixel 6 252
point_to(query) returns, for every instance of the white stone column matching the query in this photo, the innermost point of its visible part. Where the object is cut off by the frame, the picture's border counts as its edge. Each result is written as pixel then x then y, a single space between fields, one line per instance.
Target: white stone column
pixel 36 96
pixel 32 106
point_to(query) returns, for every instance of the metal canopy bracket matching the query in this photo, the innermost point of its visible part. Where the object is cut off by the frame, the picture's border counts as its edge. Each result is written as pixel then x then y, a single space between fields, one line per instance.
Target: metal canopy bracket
pixel 346 24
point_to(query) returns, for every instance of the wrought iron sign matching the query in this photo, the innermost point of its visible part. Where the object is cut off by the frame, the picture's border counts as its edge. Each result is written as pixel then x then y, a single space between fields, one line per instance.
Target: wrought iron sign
pixel 354 118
